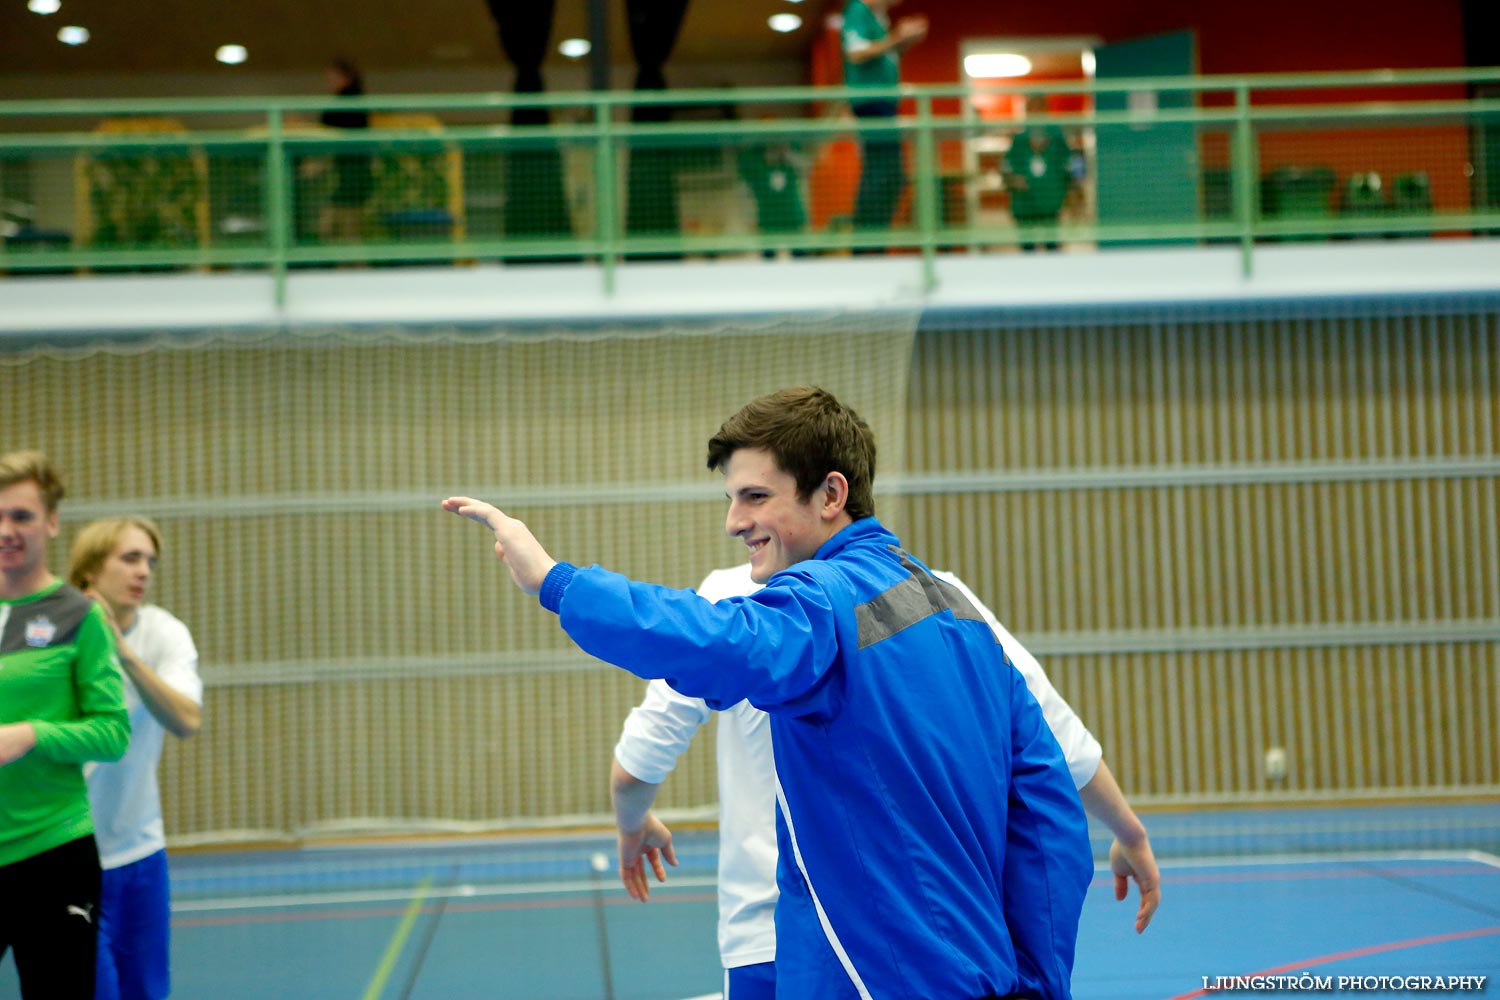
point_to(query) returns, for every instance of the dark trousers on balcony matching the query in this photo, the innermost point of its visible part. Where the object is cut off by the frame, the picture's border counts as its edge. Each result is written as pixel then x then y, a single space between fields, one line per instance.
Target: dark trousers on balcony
pixel 882 175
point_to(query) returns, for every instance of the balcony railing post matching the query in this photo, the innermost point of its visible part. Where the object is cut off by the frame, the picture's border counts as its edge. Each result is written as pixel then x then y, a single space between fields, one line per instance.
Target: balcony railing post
pixel 278 202
pixel 604 193
pixel 927 194
pixel 1246 172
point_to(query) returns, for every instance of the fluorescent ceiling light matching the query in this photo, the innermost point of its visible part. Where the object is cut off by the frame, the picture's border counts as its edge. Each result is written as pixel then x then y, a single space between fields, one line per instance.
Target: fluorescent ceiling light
pixel 72 35
pixel 784 22
pixel 996 64
pixel 231 55
pixel 43 6
pixel 575 48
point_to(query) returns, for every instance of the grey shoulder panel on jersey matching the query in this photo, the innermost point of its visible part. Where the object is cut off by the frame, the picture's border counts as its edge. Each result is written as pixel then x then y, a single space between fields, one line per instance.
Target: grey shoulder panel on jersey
pixel 919 596
pixel 51 621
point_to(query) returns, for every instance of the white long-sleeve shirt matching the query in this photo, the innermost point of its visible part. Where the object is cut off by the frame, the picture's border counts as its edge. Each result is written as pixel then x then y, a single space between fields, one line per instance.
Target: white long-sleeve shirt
pixel 123 795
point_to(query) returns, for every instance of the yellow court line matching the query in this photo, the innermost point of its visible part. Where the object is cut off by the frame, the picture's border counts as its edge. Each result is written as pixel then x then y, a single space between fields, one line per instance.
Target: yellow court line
pixel 397 943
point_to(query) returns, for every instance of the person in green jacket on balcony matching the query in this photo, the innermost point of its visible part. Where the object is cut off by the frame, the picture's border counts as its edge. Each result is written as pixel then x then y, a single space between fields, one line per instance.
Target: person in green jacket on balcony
pixel 773 173
pixel 1037 173
pixel 62 703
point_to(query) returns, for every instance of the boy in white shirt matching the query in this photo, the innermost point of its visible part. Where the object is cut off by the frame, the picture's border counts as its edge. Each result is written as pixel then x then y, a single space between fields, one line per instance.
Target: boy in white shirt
pixel 113 561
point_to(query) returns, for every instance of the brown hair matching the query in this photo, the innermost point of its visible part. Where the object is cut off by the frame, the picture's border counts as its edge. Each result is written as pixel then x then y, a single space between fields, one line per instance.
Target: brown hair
pixel 96 541
pixel 810 434
pixel 33 466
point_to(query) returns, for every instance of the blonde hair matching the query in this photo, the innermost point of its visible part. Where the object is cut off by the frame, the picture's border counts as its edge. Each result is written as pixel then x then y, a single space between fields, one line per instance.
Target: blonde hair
pixel 98 539
pixel 36 467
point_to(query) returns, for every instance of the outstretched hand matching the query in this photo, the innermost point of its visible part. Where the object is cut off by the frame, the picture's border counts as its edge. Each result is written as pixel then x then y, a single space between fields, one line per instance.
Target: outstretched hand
pixel 515 545
pixel 652 844
pixel 1137 861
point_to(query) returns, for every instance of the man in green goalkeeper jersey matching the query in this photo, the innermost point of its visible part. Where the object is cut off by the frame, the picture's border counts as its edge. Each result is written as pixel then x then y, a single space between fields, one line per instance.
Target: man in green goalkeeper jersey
pixel 62 703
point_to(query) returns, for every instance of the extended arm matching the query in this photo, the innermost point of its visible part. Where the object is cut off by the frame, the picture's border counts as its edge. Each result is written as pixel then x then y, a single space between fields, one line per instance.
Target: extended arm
pixel 772 649
pixel 1130 855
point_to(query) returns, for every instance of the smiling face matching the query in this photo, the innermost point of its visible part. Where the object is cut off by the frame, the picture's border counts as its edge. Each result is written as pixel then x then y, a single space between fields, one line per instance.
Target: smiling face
pixel 125 575
pixel 26 526
pixel 766 514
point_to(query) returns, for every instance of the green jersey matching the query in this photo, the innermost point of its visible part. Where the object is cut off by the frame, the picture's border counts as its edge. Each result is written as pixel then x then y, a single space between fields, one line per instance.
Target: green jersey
pixel 1046 171
pixel 861 28
pixel 58 671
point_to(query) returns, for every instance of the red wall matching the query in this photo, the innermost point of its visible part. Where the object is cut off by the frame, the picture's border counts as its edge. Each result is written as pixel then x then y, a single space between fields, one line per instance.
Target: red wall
pixel 1268 36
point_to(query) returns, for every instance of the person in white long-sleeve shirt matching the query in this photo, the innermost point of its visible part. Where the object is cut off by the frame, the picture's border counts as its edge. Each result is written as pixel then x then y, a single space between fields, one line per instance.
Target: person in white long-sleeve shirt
pixel 114 561
pixel 660 729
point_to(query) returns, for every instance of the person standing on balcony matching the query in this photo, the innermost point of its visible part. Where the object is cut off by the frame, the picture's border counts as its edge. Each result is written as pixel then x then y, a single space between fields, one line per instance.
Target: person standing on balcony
pixel 114 562
pixel 772 170
pixel 344 216
pixel 872 48
pixel 1037 173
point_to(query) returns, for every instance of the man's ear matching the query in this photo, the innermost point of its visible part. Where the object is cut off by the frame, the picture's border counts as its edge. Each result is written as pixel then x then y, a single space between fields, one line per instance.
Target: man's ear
pixel 835 495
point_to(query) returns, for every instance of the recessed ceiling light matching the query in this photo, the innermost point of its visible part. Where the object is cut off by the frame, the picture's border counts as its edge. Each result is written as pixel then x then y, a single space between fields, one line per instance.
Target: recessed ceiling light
pixel 72 35
pixel 575 48
pixel 996 64
pixel 43 6
pixel 785 22
pixel 231 55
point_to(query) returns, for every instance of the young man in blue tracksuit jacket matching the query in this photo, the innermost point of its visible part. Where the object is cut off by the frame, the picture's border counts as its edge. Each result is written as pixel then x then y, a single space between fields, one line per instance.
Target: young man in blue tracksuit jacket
pixel 932 844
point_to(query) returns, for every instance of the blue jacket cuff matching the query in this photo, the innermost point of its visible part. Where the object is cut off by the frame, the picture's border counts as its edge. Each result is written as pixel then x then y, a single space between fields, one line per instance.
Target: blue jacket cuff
pixel 558 578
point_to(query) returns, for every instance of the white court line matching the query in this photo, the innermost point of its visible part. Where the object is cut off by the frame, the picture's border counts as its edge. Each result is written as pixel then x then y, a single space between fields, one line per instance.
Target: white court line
pixel 1362 857
pixel 403 895
pixel 698 882
pixel 707 996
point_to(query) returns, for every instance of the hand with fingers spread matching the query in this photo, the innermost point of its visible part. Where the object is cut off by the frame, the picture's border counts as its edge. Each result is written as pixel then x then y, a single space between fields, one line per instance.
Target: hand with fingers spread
pixel 515 545
pixel 652 844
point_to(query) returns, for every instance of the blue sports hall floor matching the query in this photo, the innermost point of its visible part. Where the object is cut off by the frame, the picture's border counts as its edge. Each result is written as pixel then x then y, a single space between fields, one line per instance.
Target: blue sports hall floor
pixel 1405 891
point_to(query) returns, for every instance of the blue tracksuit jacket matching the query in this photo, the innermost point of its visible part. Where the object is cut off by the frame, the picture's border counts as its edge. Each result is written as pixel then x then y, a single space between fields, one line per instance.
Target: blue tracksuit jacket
pixel 933 846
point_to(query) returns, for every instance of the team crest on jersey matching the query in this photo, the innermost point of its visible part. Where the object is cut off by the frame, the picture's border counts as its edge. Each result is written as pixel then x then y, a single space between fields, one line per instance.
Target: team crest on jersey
pixel 39 631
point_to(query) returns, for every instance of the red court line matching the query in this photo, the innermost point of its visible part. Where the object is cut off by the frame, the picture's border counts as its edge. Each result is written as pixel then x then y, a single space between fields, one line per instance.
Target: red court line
pixel 362 914
pixel 1374 949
